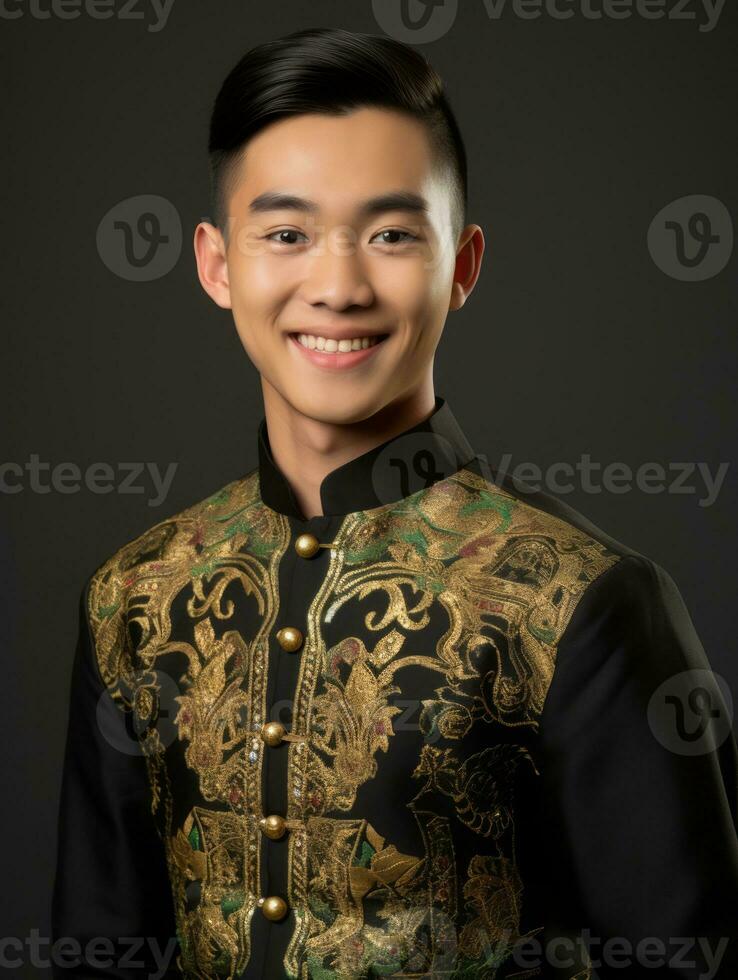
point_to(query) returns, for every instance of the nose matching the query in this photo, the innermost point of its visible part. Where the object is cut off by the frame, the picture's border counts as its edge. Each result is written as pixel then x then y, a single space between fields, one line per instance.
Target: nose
pixel 337 277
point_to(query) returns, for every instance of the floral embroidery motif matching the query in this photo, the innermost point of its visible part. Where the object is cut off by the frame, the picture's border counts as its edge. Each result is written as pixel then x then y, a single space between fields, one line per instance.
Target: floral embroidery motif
pixel 430 647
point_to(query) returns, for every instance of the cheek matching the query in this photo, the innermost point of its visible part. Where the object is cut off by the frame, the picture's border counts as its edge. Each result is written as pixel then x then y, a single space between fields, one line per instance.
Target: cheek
pixel 259 292
pixel 256 281
pixel 417 294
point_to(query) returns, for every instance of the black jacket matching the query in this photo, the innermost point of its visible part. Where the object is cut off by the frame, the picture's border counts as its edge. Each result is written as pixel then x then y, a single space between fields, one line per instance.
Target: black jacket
pixel 502 742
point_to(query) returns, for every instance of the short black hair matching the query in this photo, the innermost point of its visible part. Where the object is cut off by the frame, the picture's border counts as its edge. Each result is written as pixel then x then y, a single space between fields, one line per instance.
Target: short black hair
pixel 330 71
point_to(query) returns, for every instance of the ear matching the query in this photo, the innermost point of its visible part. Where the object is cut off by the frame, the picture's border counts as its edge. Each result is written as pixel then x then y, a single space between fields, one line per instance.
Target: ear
pixel 469 254
pixel 212 266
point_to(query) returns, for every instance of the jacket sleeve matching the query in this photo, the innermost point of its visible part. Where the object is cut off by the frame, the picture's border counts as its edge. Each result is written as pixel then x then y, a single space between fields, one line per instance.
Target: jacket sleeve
pixel 112 909
pixel 639 775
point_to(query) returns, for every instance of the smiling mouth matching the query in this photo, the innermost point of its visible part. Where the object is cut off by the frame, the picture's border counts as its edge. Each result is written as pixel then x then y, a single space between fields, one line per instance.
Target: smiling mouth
pixel 329 345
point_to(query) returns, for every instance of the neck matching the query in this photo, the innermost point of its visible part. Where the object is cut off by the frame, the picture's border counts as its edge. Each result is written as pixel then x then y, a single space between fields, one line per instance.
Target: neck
pixel 306 450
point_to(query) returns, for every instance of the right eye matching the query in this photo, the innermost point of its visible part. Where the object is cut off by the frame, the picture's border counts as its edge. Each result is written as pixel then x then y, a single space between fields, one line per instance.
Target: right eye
pixel 284 231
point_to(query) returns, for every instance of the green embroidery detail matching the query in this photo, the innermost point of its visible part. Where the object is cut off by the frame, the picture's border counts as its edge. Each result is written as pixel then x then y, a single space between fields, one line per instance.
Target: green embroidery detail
pixel 382 961
pixel 418 539
pixel 238 527
pixel 544 635
pixel 222 962
pixel 220 497
pixel 385 969
pixel 491 501
pixel 402 509
pixel 429 584
pixel 224 518
pixel 416 511
pixel 371 552
pixel 206 569
pixel 194 838
pixel 317 971
pixel 262 548
pixel 231 902
pixel 104 612
pixel 364 858
pixel 321 909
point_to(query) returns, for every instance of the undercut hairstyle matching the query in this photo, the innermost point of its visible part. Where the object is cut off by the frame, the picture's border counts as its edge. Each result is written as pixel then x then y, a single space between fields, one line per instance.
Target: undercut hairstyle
pixel 334 72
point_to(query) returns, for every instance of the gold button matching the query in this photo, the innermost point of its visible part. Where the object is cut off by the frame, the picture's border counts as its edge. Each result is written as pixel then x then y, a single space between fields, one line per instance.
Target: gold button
pixel 273 826
pixel 273 907
pixel 290 638
pixel 306 545
pixel 272 732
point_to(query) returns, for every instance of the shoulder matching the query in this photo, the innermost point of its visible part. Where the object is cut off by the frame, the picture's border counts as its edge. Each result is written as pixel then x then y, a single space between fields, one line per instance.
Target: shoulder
pixel 528 537
pixel 531 512
pixel 548 511
pixel 178 535
pixel 177 547
pixel 560 563
pixel 592 613
pixel 625 600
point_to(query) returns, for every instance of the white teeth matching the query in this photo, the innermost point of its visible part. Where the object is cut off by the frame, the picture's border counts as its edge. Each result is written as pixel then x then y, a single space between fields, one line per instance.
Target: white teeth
pixel 313 342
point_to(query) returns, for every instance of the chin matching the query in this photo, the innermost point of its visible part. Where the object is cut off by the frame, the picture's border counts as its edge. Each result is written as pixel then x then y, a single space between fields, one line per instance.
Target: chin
pixel 344 407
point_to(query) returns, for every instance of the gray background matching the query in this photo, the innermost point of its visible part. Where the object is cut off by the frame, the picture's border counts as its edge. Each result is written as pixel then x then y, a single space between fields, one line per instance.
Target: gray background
pixel 574 341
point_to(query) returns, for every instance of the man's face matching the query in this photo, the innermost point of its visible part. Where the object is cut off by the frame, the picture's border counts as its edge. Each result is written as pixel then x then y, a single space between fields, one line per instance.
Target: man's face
pixel 337 266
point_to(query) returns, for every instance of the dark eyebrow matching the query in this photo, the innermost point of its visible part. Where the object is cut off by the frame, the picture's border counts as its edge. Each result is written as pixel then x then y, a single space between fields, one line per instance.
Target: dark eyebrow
pixel 395 201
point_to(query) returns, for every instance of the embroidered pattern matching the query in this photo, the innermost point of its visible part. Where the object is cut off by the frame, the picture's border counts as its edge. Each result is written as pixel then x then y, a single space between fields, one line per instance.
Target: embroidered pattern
pixel 430 646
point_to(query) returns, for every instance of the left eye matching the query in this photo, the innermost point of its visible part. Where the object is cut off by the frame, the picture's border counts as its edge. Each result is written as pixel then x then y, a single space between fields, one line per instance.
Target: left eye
pixel 405 236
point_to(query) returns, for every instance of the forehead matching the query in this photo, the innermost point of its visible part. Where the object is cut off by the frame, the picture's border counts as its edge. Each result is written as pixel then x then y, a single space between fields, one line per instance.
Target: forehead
pixel 337 159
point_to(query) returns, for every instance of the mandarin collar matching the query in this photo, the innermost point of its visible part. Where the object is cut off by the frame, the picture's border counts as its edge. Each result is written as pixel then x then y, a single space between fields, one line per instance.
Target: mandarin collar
pixel 409 461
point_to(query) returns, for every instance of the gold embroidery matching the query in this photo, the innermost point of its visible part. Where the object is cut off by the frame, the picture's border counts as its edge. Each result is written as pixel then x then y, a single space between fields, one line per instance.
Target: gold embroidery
pixel 214 891
pixel 508 578
pixel 224 550
pixel 462 592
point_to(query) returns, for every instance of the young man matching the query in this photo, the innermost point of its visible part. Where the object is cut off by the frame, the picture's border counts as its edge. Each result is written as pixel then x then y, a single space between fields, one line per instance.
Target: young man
pixel 390 716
